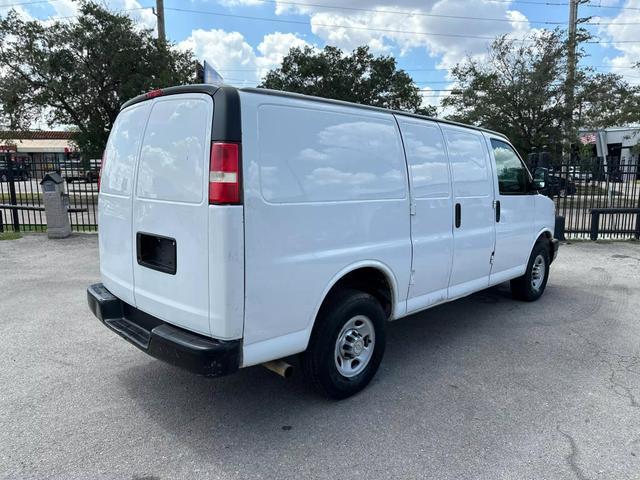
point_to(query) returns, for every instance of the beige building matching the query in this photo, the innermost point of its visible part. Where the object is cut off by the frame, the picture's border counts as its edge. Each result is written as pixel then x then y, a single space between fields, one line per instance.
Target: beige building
pixel 38 151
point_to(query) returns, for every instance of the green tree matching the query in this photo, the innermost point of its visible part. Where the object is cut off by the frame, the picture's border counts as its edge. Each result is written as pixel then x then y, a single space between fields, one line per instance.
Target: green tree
pixel 607 100
pixel 359 77
pixel 77 74
pixel 519 90
pixel 516 90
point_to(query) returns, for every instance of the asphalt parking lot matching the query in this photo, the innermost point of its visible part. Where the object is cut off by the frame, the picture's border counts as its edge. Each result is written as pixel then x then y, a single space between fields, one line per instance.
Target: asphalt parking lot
pixel 482 388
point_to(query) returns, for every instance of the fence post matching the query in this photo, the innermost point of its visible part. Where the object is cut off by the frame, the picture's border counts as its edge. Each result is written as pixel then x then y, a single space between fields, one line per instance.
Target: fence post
pixel 1 222
pixel 595 220
pixel 559 228
pixel 12 193
pixel 637 234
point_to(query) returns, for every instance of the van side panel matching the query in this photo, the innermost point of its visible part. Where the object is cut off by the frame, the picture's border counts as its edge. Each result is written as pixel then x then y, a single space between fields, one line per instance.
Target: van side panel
pixel 226 271
pixel 325 187
pixel 114 209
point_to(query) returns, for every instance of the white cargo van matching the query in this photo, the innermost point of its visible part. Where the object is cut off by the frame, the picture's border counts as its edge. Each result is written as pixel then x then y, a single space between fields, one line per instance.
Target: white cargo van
pixel 243 226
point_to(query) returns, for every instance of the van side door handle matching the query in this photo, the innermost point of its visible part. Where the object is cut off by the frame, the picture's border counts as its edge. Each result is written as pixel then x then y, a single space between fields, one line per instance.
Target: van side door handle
pixel 458 215
pixel 497 210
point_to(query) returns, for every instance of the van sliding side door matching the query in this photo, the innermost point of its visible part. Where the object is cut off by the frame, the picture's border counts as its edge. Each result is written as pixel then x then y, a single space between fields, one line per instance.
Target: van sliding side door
pixel 472 214
pixel 431 203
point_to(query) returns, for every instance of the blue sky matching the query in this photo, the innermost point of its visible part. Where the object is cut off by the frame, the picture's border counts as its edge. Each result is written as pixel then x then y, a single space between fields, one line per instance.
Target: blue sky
pixel 244 38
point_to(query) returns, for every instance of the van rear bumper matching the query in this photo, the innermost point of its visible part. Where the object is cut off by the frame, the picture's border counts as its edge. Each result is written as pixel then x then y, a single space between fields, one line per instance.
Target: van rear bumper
pixel 182 348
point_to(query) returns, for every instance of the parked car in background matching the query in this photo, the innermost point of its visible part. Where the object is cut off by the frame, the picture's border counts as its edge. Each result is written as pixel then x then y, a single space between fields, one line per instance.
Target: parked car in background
pixel 21 171
pixel 93 171
pixel 558 185
pixel 576 173
pixel 80 170
pixel 284 224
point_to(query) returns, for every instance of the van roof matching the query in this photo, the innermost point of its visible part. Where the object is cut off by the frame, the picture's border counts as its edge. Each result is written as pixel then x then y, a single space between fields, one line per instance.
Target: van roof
pixel 211 90
pixel 280 93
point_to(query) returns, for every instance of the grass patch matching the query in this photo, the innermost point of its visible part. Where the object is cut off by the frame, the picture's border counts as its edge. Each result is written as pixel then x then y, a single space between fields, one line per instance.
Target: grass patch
pixel 10 235
pixel 36 198
pixel 33 228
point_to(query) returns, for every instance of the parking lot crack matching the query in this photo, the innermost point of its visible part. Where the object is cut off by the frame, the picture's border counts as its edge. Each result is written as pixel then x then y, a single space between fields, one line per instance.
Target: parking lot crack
pixel 572 457
pixel 618 366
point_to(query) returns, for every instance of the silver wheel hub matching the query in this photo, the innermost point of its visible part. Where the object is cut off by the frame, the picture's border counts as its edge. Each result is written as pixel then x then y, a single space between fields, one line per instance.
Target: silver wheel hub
pixel 354 346
pixel 538 272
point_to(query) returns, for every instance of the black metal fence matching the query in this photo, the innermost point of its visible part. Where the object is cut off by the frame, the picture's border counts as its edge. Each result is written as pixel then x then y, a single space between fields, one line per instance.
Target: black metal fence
pixel 604 185
pixel 577 188
pixel 21 207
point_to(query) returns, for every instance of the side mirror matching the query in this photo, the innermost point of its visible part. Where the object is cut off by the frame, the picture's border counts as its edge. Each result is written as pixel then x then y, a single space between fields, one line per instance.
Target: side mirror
pixel 539 178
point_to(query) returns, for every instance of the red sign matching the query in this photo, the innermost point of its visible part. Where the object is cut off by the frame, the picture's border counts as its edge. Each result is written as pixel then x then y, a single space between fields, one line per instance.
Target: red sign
pixel 8 148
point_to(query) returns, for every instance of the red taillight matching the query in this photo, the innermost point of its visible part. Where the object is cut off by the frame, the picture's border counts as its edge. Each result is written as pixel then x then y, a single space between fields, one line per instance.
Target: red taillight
pixel 224 174
pixel 154 93
pixel 104 157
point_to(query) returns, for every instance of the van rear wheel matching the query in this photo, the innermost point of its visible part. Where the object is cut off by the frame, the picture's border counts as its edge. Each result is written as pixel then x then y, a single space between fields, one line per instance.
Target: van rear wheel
pixel 531 285
pixel 347 344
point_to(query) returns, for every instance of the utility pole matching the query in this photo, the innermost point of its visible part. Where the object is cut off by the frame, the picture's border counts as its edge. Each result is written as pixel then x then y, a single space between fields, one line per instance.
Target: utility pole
pixel 571 67
pixel 159 13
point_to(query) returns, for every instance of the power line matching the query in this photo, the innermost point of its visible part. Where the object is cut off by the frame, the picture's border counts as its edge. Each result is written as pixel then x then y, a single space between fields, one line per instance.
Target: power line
pixel 410 13
pixel 617 7
pixel 563 4
pixel 28 3
pixel 306 23
pixel 352 27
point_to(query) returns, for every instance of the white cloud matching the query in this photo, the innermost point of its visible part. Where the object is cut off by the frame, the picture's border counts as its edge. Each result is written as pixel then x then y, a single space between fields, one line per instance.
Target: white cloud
pixel 143 17
pixel 228 52
pixel 65 8
pixel 235 3
pixel 6 5
pixel 234 58
pixel 618 31
pixel 274 47
pixel 444 38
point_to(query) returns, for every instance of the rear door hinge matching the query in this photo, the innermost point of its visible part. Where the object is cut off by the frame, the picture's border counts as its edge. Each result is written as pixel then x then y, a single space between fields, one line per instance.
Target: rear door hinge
pixel 412 208
pixel 412 277
pixel 491 258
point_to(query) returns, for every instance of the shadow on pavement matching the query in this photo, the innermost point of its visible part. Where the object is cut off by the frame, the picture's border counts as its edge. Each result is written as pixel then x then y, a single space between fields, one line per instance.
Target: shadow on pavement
pixel 254 403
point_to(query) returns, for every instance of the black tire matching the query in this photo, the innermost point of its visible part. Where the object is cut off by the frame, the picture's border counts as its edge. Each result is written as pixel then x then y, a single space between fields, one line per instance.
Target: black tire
pixel 4 178
pixel 319 360
pixel 523 288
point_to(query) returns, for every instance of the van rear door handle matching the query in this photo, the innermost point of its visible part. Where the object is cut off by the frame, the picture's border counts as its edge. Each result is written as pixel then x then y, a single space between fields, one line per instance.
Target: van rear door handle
pixel 458 215
pixel 497 210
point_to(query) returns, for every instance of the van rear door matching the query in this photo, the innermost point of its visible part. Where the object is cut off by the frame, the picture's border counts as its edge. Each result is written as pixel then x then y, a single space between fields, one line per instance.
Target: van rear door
pixel 169 229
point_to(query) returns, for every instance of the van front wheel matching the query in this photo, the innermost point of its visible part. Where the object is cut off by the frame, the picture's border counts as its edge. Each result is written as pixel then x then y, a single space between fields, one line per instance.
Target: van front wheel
pixel 531 285
pixel 347 344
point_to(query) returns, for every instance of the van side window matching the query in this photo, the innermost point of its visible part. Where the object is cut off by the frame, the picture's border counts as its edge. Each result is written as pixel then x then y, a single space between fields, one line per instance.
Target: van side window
pixel 512 175
pixel 427 159
pixel 309 155
pixel 468 157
